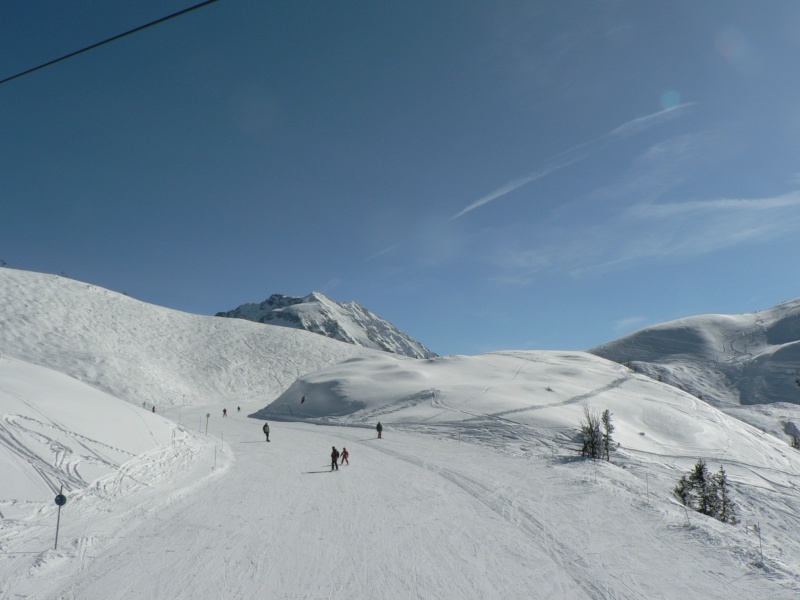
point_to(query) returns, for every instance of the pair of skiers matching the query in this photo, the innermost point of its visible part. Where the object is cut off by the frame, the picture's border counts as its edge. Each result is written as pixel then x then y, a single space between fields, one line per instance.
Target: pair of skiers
pixel 335 458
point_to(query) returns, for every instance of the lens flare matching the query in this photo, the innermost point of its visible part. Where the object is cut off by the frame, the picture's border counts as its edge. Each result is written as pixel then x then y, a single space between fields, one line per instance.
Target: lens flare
pixel 670 99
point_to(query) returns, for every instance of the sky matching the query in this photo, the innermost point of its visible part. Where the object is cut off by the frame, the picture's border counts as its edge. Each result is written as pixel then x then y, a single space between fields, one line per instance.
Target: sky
pixel 485 176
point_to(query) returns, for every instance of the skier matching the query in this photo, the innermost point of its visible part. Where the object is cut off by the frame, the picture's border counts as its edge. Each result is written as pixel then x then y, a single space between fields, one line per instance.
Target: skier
pixel 265 429
pixel 224 412
pixel 334 459
pixel 238 409
pixel 345 454
pixel 380 429
pixel 154 408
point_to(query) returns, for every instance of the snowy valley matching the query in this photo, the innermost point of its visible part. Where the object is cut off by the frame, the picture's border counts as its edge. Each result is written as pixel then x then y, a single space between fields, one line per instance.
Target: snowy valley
pixel 477 489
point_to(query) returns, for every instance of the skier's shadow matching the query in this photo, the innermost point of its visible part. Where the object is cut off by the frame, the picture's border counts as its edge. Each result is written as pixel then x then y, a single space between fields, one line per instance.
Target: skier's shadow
pixel 312 472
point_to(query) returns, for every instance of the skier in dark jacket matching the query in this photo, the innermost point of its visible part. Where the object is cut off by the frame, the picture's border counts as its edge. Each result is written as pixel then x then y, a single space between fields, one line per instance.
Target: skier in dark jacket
pixel 334 459
pixel 265 429
pixel 379 428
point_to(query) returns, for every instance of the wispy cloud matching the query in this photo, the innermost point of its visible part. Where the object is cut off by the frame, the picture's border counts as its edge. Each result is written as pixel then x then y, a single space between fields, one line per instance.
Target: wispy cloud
pixel 580 152
pixel 629 323
pixel 680 230
pixel 648 232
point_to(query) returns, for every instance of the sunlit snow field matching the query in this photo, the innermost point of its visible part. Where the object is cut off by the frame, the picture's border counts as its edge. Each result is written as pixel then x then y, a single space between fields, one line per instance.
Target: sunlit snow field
pixel 476 490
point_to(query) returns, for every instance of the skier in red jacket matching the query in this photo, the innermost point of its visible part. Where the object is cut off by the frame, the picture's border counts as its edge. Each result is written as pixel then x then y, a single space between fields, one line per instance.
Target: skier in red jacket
pixel 345 454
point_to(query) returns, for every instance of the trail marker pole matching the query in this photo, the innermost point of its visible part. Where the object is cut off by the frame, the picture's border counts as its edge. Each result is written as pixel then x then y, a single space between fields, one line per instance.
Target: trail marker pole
pixel 760 547
pixel 61 500
pixel 207 417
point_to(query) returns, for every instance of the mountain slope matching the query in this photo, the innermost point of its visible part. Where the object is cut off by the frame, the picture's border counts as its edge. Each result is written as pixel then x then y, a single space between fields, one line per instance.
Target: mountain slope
pixel 347 322
pixel 728 360
pixel 475 491
pixel 147 354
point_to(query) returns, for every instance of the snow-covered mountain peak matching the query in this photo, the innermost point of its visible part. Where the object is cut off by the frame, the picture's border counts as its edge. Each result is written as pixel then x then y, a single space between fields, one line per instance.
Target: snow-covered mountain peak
pixel 344 321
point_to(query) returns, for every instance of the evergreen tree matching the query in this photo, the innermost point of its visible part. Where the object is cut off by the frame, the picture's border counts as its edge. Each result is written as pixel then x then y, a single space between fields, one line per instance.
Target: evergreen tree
pixel 701 484
pixel 590 432
pixel 707 493
pixel 726 507
pixel 684 492
pixel 795 442
pixel 608 428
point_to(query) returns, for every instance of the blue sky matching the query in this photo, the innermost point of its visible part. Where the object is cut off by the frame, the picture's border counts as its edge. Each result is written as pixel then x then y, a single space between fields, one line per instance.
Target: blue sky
pixel 486 176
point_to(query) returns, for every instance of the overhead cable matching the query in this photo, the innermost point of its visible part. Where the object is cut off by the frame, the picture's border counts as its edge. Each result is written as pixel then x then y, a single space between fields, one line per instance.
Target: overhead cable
pixel 111 39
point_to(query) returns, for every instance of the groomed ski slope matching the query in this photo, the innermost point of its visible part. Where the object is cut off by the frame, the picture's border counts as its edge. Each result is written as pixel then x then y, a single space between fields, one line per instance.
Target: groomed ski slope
pixel 412 516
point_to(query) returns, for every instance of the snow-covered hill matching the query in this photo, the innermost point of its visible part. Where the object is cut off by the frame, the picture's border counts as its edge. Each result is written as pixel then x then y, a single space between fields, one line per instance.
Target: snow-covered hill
pixel 476 490
pixel 348 322
pixel 147 354
pixel 748 365
pixel 57 431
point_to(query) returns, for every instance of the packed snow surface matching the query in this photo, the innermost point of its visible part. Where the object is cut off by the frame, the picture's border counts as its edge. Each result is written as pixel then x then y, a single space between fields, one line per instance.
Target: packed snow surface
pixel 476 490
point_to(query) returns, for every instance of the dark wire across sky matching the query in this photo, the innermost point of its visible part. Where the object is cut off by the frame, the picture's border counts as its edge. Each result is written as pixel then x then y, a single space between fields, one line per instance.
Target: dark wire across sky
pixel 109 40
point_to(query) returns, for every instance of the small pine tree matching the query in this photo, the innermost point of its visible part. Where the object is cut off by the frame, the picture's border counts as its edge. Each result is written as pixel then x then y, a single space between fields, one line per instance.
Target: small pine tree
pixel 795 441
pixel 726 507
pixel 707 494
pixel 608 428
pixel 590 432
pixel 684 492
pixel 702 487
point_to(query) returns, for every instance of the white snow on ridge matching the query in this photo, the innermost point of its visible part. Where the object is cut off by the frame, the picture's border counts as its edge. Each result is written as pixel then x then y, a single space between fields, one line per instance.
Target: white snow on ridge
pixel 345 321
pixel 148 354
pixel 747 365
pixel 727 359
pixel 535 396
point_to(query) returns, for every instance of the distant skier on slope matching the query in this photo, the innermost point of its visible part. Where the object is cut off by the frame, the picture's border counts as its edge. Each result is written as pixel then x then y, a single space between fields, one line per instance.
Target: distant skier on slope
pixel 379 428
pixel 345 454
pixel 265 429
pixel 334 459
pixel 224 412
